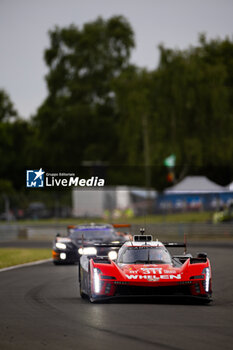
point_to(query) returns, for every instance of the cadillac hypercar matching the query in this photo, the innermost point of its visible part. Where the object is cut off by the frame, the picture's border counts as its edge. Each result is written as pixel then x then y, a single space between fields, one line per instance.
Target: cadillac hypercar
pixel 144 267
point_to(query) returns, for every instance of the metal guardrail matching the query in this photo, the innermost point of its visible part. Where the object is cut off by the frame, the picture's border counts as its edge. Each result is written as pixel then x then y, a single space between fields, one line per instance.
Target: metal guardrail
pixel 9 232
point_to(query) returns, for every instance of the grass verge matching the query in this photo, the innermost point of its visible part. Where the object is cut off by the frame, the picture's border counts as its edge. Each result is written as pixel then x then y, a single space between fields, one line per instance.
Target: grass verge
pixel 16 256
pixel 150 219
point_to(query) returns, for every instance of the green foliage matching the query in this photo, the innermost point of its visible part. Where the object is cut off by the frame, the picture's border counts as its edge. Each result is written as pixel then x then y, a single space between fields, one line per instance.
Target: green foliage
pixel 15 145
pixel 131 89
pixel 100 107
pixel 194 105
pixel 77 120
pixel 7 111
pixel 6 187
pixel 188 105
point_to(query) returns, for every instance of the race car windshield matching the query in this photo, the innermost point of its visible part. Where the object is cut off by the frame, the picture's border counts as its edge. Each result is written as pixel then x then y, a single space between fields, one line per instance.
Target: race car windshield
pixel 93 234
pixel 145 255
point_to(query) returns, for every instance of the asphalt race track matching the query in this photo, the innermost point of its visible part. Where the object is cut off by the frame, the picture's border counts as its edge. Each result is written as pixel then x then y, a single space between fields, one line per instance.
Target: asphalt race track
pixel 40 308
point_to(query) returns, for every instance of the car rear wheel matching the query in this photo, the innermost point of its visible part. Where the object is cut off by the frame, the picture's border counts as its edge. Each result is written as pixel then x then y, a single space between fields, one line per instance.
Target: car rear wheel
pixel 82 295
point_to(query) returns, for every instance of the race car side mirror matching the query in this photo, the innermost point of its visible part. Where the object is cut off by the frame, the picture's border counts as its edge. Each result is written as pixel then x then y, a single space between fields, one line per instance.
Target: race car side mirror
pixel 202 255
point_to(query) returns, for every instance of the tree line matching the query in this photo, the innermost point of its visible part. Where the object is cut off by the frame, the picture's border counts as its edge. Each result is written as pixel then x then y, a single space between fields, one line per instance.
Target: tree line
pixel 103 111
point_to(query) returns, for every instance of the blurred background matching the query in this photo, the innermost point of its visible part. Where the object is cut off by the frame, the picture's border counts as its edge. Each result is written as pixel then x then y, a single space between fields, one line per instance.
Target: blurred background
pixel 138 94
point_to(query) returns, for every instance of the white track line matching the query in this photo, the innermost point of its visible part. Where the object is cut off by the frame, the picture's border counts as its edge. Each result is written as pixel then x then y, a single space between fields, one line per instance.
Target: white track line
pixel 26 264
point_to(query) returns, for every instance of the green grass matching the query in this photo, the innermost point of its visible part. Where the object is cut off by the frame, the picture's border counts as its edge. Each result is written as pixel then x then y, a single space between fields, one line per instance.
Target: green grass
pixel 172 218
pixel 153 219
pixel 16 256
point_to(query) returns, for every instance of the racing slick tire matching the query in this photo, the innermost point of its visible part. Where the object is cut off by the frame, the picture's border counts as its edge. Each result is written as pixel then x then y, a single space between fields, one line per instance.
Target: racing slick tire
pixel 89 287
pixel 82 295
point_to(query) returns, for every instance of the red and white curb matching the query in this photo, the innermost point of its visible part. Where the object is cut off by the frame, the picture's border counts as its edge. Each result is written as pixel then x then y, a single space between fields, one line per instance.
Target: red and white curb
pixel 38 262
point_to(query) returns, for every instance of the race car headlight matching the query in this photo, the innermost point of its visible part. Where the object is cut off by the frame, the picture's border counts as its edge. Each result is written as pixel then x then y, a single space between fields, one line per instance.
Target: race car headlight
pixel 206 271
pixel 80 251
pixel 112 255
pixel 96 280
pixel 87 251
pixel 60 245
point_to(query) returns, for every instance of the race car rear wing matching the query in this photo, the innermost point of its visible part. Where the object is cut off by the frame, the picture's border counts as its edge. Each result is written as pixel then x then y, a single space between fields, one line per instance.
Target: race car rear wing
pixel 109 245
pixel 177 245
pixel 174 245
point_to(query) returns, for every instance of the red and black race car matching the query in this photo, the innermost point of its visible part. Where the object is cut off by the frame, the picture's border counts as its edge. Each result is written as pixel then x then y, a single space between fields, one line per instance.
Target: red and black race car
pixel 145 267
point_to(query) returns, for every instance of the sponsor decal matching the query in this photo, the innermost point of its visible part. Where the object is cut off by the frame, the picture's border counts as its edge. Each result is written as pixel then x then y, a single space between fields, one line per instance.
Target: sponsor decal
pixel 39 178
pixel 150 270
pixel 132 271
pixel 153 270
pixel 153 277
pixel 170 271
pixel 132 276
